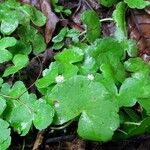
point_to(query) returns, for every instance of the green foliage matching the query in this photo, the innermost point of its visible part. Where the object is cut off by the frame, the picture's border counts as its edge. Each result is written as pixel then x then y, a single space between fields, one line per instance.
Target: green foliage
pixel 86 91
pixel 59 39
pixel 80 96
pixel 23 109
pixel 5 43
pixel 107 3
pixel 119 18
pixel 91 20
pixel 19 109
pixel 140 4
pixel 27 38
pixel 20 61
pixel 93 80
pixel 60 9
pixel 64 65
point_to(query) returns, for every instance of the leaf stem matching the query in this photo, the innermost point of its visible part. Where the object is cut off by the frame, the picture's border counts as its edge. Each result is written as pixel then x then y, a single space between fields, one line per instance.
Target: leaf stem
pixel 106 19
pixel 17 99
pixel 6 96
pixel 122 131
pixel 84 32
pixel 133 123
pixel 62 127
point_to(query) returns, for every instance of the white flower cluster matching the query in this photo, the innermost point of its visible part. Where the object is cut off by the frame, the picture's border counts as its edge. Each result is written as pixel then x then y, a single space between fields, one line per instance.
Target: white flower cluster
pixel 59 79
pixel 90 77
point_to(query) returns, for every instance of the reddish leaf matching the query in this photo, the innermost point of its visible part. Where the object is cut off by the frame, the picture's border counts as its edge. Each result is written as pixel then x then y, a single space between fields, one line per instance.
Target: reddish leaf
pixel 51 19
pixel 139 29
pixel 25 1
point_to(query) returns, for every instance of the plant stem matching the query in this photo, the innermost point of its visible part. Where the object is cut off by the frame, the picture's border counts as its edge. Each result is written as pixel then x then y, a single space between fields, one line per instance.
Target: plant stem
pixel 62 127
pixel 106 19
pixel 133 123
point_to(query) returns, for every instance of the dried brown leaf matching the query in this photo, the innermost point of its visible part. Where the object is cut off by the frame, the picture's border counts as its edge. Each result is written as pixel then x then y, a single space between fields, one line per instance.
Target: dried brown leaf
pixel 52 19
pixel 139 30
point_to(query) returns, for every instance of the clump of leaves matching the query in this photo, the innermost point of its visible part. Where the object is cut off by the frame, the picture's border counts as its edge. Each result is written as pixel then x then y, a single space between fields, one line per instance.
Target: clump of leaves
pixel 65 33
pixel 27 39
pixel 94 82
pixel 60 9
pixel 19 109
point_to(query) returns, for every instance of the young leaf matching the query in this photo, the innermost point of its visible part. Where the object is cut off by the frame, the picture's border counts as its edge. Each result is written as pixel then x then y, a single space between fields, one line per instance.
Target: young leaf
pixel 43 114
pixel 137 65
pixel 106 51
pixel 64 66
pixel 93 27
pixel 107 3
pixel 5 55
pixel 131 47
pixel 60 37
pixel 38 43
pixel 119 18
pixel 49 77
pixel 140 4
pixel 132 89
pixel 37 17
pixel 20 61
pixel 17 89
pixel 58 46
pixel 78 95
pixel 7 42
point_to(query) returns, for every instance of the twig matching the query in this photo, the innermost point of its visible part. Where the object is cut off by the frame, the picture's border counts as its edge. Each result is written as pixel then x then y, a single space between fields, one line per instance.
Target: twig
pixel 87 3
pixel 39 140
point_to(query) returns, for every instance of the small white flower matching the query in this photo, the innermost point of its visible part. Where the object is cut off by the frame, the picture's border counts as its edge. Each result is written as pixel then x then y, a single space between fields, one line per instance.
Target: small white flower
pixel 56 104
pixel 59 79
pixel 90 77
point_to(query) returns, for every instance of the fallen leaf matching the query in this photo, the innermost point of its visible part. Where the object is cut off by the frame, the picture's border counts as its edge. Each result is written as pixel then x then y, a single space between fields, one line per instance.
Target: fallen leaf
pixel 52 19
pixel 139 30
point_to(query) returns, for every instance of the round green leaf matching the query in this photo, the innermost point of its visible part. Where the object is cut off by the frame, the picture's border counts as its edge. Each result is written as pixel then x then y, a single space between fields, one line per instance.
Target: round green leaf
pixel 93 27
pixel 5 138
pixel 79 95
pixel 44 114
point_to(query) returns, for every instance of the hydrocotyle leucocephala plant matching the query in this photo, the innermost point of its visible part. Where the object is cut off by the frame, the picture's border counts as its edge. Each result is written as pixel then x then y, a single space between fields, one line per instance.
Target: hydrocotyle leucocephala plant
pixel 95 81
